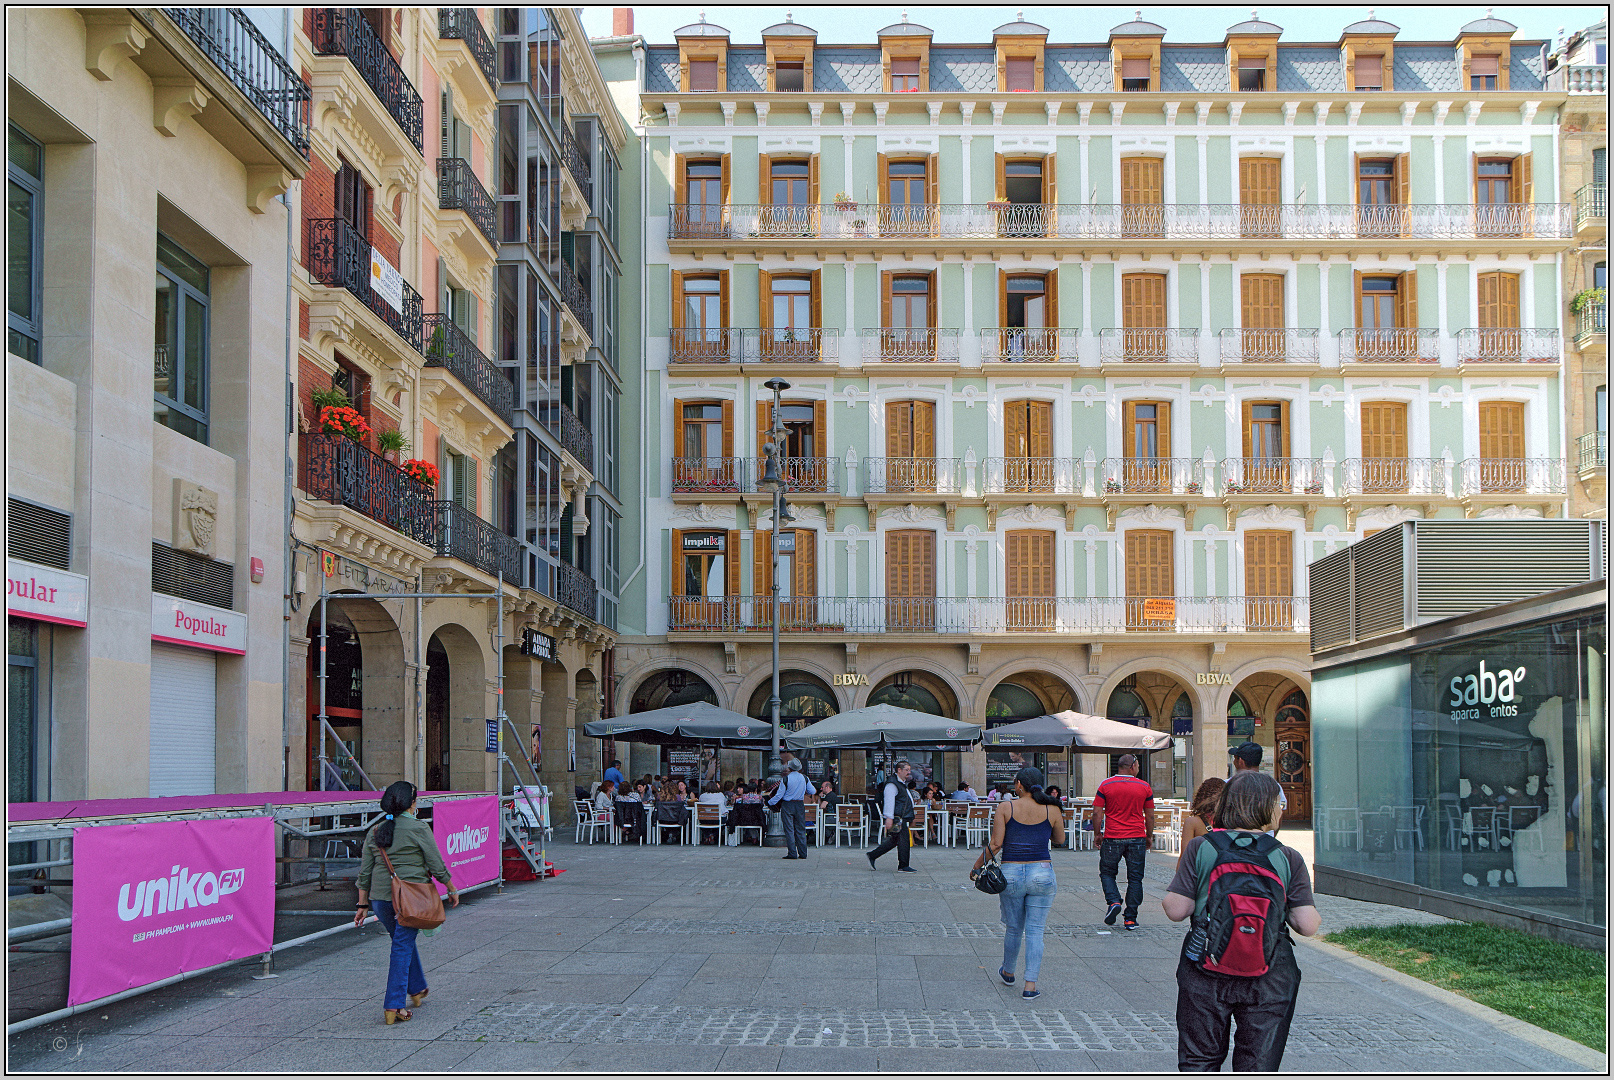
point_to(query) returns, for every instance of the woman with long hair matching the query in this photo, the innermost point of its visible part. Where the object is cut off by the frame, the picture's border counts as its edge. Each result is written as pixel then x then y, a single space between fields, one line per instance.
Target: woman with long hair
pixel 1022 831
pixel 1201 816
pixel 1262 1006
pixel 412 850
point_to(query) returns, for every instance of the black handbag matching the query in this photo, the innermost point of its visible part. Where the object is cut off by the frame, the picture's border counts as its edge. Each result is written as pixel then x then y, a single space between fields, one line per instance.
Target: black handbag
pixel 989 878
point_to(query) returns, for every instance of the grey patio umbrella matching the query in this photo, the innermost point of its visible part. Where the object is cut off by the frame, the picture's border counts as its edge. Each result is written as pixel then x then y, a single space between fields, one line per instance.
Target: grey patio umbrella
pixel 682 725
pixel 885 726
pixel 1079 732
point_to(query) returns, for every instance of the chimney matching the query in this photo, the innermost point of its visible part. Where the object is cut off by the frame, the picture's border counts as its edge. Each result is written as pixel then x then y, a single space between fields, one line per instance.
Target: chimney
pixel 622 22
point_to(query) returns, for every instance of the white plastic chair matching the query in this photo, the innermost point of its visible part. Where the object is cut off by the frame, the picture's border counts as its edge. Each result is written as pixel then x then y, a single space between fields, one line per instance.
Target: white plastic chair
pixel 598 820
pixel 709 816
pixel 975 825
pixel 583 813
pixel 1342 821
pixel 849 820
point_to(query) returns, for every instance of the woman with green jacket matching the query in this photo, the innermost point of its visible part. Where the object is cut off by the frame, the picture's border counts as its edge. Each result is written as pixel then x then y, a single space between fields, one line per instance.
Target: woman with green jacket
pixel 412 850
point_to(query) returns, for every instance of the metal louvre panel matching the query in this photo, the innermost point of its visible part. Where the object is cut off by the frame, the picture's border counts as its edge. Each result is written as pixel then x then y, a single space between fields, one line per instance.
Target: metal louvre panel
pixel 1378 585
pixel 1330 591
pixel 183 724
pixel 38 534
pixel 192 577
pixel 1465 566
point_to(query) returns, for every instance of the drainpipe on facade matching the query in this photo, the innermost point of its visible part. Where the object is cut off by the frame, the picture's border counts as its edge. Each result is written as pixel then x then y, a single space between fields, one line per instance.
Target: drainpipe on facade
pixel 288 551
pixel 644 299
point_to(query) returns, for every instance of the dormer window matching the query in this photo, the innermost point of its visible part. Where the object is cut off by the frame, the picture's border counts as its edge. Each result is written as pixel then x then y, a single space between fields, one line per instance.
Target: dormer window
pixel 1252 73
pixel 1135 73
pixel 1482 71
pixel 1370 73
pixel 905 75
pixel 1020 73
pixel 789 76
pixel 703 76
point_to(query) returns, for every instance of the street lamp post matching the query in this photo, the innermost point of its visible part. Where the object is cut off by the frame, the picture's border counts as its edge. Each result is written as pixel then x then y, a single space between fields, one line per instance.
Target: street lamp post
pixel 773 479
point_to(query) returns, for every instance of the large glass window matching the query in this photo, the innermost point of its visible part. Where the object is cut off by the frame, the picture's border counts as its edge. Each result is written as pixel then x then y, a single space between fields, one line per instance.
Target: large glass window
pixel 180 354
pixel 25 170
pixel 22 691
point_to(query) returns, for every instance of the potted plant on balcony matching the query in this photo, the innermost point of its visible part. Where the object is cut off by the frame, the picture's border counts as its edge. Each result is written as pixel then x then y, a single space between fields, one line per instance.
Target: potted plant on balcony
pixel 344 420
pixel 422 472
pixel 842 202
pixel 1194 488
pixel 393 444
pixel 1588 298
pixel 1112 487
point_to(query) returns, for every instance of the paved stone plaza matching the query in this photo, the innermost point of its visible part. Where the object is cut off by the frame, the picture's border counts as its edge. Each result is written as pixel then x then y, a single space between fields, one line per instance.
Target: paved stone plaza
pixel 670 958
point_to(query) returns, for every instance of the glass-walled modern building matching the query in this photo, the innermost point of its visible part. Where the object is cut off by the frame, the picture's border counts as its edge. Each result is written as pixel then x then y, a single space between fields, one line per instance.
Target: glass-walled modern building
pixel 1461 767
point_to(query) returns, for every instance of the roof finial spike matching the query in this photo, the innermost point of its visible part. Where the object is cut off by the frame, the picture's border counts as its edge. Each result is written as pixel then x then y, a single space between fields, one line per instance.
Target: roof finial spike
pixel 1137 16
pixel 1020 16
pixel 703 15
pixel 788 17
pixel 1255 16
pixel 1371 15
pixel 1487 13
pixel 904 14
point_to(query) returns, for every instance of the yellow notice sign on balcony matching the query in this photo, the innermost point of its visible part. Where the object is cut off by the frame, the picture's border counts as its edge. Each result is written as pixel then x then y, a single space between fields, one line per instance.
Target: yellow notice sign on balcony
pixel 1164 610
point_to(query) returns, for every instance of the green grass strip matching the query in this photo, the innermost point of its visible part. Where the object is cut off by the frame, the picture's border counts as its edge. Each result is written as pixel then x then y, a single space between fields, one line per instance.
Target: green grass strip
pixel 1557 987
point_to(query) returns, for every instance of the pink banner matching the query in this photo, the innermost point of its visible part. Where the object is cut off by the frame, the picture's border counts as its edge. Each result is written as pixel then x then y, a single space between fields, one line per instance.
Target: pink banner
pixel 152 901
pixel 467 832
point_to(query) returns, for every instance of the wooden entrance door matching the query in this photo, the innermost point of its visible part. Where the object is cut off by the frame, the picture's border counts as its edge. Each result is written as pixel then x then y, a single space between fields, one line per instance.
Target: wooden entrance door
pixel 1293 762
pixel 910 579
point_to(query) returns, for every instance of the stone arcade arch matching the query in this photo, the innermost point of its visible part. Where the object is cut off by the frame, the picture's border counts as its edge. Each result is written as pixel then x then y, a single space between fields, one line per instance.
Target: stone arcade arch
pixel 371 711
pixel 457 708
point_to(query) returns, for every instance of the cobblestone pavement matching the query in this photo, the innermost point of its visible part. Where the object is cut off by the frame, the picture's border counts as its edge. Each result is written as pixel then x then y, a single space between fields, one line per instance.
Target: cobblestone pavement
pixel 722 959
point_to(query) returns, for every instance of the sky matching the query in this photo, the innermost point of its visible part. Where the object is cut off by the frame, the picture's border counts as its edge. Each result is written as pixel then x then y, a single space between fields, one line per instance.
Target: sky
pixel 969 23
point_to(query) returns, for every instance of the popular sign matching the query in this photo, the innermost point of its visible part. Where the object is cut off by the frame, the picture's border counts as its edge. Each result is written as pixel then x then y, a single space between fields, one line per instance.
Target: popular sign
pixel 156 900
pixel 467 832
pixel 47 594
pixel 185 622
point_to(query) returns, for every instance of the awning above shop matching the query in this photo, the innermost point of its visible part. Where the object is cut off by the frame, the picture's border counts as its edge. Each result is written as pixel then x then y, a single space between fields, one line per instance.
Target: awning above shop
pixel 881 726
pixel 1078 732
pixel 683 725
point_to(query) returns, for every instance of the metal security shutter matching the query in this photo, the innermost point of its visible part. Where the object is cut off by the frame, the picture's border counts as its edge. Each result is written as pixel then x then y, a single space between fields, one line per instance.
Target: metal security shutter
pixel 38 534
pixel 1378 581
pixel 1521 559
pixel 192 577
pixel 182 720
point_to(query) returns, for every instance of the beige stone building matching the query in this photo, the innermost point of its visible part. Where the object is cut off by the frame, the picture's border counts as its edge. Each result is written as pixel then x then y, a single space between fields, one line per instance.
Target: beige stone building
pixel 1580 69
pixel 146 366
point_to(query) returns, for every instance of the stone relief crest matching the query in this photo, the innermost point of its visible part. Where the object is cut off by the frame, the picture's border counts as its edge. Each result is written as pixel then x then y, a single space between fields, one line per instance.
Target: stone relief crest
pixel 704 514
pixel 1380 517
pixel 1510 512
pixel 1272 515
pixel 196 511
pixel 1151 514
pixel 912 514
pixel 1032 515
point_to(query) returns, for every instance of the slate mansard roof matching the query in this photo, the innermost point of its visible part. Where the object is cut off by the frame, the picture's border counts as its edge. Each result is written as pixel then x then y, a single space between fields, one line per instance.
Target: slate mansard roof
pixel 1087 69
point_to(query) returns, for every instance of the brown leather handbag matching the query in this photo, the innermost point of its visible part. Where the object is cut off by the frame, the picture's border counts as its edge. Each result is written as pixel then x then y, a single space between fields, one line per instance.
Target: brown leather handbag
pixel 414 904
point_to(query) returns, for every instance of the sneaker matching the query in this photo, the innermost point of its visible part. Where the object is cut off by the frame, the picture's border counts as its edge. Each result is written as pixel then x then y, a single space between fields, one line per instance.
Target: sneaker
pixel 1110 916
pixel 1031 995
pixel 1131 924
pixel 906 870
pixel 871 861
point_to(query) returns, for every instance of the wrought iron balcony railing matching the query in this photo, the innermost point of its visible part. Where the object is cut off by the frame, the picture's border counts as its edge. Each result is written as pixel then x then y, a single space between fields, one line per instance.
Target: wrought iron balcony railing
pixel 751 345
pixel 464 536
pixel 254 66
pixel 344 32
pixel 1579 79
pixel 1029 345
pixel 576 162
pixel 806 475
pixel 1590 320
pixel 1389 345
pixel 1507 345
pixel 903 475
pixel 963 616
pixel 1593 448
pixel 713 474
pixel 450 348
pixel 1283 345
pixel 1171 221
pixel 575 438
pixel 1511 476
pixel 577 590
pixel 338 470
pixel 1046 475
pixel 574 294
pixel 909 345
pixel 1271 476
pixel 339 256
pixel 1591 204
pixel 461 24
pixel 459 189
pixel 1394 476
pixel 1152 476
pixel 1149 345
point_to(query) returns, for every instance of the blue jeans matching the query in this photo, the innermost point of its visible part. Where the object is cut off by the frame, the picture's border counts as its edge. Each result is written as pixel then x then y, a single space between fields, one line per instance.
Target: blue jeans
pixel 404 973
pixel 1109 861
pixel 1024 906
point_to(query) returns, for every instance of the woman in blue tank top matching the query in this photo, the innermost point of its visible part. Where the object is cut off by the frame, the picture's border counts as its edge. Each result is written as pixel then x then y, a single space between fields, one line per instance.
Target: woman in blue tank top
pixel 1022 830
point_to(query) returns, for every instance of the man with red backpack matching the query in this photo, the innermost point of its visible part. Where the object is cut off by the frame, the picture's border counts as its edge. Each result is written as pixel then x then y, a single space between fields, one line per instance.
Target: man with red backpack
pixel 1245 891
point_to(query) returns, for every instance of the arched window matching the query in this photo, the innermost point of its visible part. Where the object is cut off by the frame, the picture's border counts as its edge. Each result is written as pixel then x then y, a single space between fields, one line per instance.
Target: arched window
pixel 803 700
pixel 1184 708
pixel 1127 707
pixel 914 697
pixel 1010 702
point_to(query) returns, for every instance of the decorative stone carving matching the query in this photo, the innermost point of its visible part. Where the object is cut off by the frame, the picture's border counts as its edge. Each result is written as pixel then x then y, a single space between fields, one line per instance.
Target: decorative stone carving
pixel 704 514
pixel 1271 515
pixel 1510 512
pixel 1151 514
pixel 1382 517
pixel 1032 515
pixel 911 514
pixel 196 511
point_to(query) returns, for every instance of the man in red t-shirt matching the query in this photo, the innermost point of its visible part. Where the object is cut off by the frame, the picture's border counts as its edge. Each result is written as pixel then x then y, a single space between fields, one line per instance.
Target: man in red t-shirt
pixel 1123 823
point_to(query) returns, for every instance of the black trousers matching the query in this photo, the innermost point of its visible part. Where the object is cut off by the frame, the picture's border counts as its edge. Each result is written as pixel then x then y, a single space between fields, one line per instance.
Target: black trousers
pixel 1207 1006
pixel 1109 862
pixel 793 817
pixel 898 840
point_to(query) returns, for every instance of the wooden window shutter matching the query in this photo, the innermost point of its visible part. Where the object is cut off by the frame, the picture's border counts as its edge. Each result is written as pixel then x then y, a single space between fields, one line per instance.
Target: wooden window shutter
pixel 678 300
pixel 1003 188
pixel 1403 179
pixel 812 180
pixel 1149 563
pixel 1040 429
pixel 882 189
pixel 1003 298
pixel 680 179
pixel 678 427
pixel 896 563
pixel 885 298
pixel 764 180
pixel 1268 563
pixel 1488 287
pixel 1050 298
pixel 1247 417
pixel 1356 185
pixel 820 447
pixel 923 548
pixel 764 422
pixel 910 563
pixel 1473 178
pixel 1129 429
pixel 724 182
pixel 677 558
pixel 1406 296
pixel 899 429
pixel 815 298
pixel 1050 180
pixel 1162 427
pixel 1501 430
pixel 1261 301
pixel 1508 300
pixel 1356 278
pixel 933 179
pixel 728 428
pixel 1016 434
pixel 762 563
pixel 1030 564
pixel 930 301
pixel 723 298
pixel 1523 180
pixel 731 564
pixel 924 429
pixel 764 300
pixel 805 563
pixel 1384 429
pixel 1283 429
